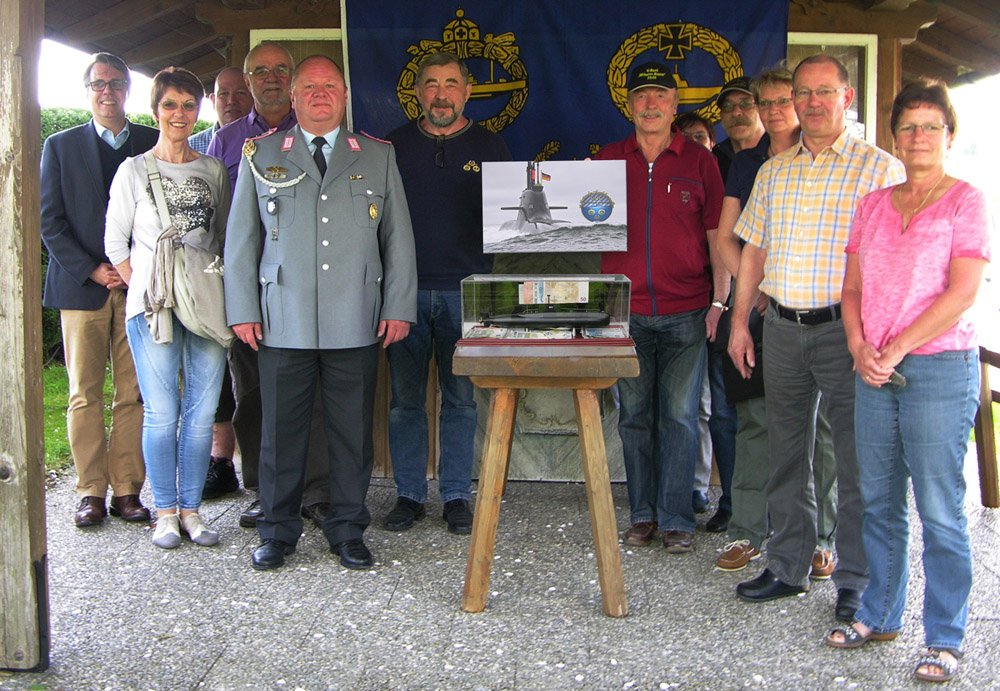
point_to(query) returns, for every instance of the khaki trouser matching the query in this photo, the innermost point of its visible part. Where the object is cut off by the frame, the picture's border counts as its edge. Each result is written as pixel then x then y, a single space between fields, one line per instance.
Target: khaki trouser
pixel 89 337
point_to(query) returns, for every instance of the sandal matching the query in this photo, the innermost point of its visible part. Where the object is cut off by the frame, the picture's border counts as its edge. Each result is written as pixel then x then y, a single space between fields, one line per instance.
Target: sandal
pixel 933 659
pixel 854 639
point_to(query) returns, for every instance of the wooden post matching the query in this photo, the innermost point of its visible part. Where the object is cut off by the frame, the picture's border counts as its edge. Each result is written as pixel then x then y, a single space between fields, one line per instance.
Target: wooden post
pixel 889 79
pixel 24 616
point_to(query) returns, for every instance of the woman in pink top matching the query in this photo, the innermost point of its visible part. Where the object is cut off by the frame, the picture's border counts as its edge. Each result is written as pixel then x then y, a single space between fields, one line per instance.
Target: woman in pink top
pixel 916 258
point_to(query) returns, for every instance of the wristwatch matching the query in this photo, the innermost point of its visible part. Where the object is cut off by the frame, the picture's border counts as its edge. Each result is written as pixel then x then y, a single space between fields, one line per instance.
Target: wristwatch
pixel 720 304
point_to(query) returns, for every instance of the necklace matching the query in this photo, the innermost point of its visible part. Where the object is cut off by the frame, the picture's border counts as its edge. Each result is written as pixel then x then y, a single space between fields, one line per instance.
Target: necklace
pixel 927 196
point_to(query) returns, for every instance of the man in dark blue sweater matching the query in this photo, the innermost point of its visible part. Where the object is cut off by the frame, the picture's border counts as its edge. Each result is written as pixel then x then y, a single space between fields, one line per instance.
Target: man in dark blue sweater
pixel 440 158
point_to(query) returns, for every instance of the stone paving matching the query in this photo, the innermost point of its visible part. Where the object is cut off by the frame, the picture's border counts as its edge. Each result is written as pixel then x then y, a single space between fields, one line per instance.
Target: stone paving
pixel 126 615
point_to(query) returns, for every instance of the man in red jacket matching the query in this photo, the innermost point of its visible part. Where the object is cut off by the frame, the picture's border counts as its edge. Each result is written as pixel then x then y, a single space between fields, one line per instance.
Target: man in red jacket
pixel 674 199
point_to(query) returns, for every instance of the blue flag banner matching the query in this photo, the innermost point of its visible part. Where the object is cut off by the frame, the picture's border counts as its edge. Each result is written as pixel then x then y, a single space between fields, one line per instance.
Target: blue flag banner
pixel 550 76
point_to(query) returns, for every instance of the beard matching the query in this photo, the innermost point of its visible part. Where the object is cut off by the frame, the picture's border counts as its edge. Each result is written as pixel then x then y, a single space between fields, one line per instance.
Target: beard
pixel 442 120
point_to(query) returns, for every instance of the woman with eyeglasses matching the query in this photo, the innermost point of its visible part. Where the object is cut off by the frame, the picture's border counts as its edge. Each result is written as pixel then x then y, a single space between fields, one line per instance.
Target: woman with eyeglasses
pixel 915 261
pixel 180 379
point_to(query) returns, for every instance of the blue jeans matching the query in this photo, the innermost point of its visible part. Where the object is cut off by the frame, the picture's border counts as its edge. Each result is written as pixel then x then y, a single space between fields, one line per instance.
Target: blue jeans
pixel 439 325
pixel 920 432
pixel 177 421
pixel 722 426
pixel 658 422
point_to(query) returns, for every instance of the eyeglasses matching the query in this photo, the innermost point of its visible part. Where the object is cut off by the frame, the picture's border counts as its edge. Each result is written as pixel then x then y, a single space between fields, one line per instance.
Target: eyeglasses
pixel 189 106
pixel 824 94
pixel 98 85
pixel 439 154
pixel 929 128
pixel 697 136
pixel 745 106
pixel 765 104
pixel 263 73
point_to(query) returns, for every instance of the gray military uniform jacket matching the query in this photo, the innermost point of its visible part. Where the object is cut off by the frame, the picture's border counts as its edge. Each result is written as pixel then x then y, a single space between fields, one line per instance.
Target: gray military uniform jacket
pixel 320 262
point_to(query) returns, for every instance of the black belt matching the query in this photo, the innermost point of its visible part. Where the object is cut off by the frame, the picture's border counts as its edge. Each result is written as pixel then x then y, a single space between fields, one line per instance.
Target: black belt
pixel 821 315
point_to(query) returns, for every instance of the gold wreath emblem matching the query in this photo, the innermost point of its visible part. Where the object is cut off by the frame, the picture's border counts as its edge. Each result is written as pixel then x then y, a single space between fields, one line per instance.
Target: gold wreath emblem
pixel 461 36
pixel 673 39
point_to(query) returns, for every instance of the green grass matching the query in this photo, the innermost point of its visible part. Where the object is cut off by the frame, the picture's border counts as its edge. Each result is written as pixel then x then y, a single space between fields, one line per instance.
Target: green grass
pixel 55 391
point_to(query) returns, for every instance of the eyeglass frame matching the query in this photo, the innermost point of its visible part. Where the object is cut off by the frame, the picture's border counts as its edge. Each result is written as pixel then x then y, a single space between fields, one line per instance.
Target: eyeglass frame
pixel 104 83
pixel 824 93
pixel 263 73
pixel 767 103
pixel 911 130
pixel 746 105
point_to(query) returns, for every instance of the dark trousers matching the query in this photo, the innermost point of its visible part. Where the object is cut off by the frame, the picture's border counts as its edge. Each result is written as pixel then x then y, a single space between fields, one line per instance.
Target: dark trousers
pixel 247 423
pixel 288 379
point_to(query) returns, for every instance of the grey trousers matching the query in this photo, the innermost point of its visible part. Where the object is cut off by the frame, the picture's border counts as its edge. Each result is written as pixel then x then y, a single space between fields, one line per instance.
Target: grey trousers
pixel 798 361
pixel 750 475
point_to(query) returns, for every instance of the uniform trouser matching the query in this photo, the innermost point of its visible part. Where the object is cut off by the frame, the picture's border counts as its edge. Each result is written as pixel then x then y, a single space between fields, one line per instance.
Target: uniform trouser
pixel 798 361
pixel 288 380
pixel 102 461
pixel 247 423
pixel 749 521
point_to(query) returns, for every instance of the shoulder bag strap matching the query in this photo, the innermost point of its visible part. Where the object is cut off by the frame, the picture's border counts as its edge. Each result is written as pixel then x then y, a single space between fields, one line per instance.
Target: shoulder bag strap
pixel 157 187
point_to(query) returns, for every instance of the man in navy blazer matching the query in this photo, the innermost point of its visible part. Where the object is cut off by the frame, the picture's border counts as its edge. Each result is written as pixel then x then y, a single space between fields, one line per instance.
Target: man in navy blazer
pixel 78 166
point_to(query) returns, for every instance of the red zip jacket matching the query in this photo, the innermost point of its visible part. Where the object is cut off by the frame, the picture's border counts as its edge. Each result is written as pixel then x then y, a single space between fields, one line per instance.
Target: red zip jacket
pixel 670 210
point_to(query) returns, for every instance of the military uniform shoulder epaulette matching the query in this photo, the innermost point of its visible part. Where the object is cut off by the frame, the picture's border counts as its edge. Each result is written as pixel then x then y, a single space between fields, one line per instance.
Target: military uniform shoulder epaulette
pixel 365 134
pixel 264 134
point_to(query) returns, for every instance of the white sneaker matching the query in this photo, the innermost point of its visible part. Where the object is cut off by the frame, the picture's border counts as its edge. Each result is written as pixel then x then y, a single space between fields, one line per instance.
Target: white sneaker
pixel 198 531
pixel 168 533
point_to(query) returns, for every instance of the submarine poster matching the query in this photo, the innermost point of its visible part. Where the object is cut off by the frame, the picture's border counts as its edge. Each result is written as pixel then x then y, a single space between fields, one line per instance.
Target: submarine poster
pixel 554 206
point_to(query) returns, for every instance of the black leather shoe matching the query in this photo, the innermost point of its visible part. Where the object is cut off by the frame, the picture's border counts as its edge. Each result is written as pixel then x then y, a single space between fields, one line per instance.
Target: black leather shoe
pixel 271 555
pixel 848 602
pixel 459 516
pixel 699 501
pixel 316 512
pixel 719 523
pixel 353 554
pixel 404 514
pixel 767 587
pixel 248 519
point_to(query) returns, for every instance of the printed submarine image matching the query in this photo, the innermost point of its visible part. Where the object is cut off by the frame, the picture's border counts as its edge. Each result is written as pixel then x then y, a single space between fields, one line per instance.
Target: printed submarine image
pixel 533 208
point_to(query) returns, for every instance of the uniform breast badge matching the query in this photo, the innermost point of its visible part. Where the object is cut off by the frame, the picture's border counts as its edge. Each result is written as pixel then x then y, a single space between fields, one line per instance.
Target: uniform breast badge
pixel 276 173
pixel 373 211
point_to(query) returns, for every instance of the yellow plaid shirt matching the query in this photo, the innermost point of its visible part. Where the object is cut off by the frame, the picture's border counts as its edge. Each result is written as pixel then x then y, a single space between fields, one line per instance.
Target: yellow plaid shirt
pixel 800 211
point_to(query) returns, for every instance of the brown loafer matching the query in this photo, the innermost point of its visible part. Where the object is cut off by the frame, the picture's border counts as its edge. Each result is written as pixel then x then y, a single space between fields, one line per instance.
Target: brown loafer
pixel 677 541
pixel 91 512
pixel 823 565
pixel 640 534
pixel 129 508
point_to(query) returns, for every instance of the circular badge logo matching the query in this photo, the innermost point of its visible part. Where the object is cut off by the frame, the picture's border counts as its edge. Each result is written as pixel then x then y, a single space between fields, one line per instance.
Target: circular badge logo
pixel 507 75
pixel 672 40
pixel 596 207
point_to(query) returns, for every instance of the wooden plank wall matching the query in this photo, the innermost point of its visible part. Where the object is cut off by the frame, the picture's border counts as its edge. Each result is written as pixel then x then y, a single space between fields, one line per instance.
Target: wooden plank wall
pixel 24 631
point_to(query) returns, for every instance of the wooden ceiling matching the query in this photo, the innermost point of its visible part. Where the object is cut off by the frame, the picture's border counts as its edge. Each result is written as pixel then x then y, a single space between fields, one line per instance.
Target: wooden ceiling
pixel 959 41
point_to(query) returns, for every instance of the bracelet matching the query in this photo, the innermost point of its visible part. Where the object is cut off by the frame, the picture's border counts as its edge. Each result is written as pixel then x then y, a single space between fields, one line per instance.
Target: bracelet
pixel 720 304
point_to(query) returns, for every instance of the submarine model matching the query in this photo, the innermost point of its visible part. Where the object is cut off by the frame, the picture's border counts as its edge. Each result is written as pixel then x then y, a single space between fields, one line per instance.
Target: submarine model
pixel 534 208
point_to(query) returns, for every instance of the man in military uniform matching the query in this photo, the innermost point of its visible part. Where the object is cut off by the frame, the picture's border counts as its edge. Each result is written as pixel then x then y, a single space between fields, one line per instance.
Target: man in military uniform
pixel 319 266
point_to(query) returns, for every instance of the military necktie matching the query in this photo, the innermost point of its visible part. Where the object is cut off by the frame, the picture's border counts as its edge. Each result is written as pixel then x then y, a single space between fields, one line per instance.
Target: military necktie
pixel 318 156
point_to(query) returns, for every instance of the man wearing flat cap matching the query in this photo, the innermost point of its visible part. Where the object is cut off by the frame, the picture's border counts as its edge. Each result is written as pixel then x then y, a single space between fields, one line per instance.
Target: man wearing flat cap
pixel 740 120
pixel 674 198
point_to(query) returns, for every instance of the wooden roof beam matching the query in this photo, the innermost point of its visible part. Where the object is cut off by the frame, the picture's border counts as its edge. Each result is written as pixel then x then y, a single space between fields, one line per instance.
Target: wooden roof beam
pixel 974 13
pixel 284 14
pixel 951 49
pixel 127 14
pixel 181 40
pixel 843 18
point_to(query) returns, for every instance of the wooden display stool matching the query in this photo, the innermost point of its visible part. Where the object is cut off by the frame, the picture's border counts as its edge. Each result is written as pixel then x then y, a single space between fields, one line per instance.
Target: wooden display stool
pixel 506 369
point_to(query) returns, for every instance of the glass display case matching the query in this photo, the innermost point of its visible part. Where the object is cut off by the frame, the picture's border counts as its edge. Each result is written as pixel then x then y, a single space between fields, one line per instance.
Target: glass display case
pixel 514 307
